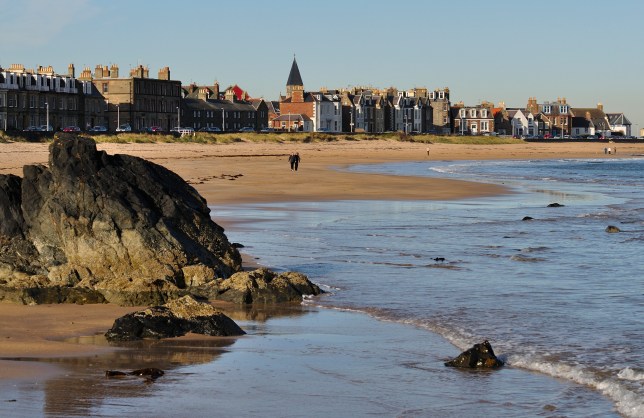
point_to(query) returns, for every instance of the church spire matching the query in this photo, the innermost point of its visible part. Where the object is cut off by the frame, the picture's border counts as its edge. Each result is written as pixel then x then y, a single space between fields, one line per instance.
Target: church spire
pixel 294 81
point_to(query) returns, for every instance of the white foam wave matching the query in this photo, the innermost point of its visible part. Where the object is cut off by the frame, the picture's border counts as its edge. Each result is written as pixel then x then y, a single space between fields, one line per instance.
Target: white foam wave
pixel 630 374
pixel 627 402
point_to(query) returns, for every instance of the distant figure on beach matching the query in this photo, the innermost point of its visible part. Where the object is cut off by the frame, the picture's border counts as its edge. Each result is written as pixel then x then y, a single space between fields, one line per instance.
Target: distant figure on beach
pixel 427 150
pixel 609 150
pixel 291 160
pixel 614 150
pixel 294 159
pixel 605 150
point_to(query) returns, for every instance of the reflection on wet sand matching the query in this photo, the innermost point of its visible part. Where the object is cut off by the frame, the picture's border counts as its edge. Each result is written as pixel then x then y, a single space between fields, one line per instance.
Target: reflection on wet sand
pixel 83 386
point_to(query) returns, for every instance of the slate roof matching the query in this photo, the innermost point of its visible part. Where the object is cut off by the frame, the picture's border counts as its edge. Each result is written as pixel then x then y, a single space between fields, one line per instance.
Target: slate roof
pixel 617 119
pixel 294 77
pixel 293 117
pixel 595 115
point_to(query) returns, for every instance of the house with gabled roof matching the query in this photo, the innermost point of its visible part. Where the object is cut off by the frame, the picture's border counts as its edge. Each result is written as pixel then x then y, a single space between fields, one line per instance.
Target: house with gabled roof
pixel 619 123
pixel 472 120
pixel 514 121
pixel 555 117
pixel 206 107
pixel 590 121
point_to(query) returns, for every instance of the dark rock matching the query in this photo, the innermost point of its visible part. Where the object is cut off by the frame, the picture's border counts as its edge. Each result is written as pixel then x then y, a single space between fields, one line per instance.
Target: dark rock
pixel 527 218
pixel 237 245
pixel 113 228
pixel 260 286
pixel 611 229
pixel 174 319
pixel 114 373
pixel 480 356
pixel 555 205
pixel 150 372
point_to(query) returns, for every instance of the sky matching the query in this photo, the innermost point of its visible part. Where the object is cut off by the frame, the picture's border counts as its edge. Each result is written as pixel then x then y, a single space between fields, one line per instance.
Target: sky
pixel 587 51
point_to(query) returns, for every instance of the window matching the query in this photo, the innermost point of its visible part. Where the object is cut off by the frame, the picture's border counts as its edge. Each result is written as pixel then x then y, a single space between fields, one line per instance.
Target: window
pixel 484 113
pixel 32 102
pixel 105 87
pixel 441 94
pixel 563 109
pixel 485 127
pixel 547 109
pixel 472 113
pixel 463 113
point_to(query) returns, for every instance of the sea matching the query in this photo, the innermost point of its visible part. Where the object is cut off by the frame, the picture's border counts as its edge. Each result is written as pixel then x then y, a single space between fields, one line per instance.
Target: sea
pixel 409 285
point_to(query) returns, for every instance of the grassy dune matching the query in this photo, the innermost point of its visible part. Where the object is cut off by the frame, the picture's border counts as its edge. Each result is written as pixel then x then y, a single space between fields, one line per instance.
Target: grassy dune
pixel 286 137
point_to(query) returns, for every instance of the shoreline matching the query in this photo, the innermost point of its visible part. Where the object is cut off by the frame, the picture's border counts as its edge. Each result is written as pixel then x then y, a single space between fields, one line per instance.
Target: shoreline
pixel 241 173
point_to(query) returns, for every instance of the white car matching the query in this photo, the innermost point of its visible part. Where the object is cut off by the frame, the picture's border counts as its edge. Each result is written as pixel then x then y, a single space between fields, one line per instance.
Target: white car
pixel 124 128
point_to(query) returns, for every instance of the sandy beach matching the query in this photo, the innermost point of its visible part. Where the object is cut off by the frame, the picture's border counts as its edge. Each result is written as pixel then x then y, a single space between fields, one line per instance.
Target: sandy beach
pixel 255 172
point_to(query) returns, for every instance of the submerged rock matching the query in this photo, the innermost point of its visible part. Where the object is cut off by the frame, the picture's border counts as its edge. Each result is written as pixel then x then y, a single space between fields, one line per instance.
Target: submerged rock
pixel 174 319
pixel 555 205
pixel 480 356
pixel 611 229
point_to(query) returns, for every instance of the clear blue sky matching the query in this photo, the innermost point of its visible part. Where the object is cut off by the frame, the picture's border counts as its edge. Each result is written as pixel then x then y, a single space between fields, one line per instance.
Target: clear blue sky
pixel 588 51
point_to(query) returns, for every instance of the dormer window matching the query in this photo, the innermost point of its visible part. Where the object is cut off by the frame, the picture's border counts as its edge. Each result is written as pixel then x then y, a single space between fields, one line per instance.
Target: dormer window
pixel 563 109
pixel 484 113
pixel 441 94
pixel 472 113
pixel 463 113
pixel 547 109
pixel 432 95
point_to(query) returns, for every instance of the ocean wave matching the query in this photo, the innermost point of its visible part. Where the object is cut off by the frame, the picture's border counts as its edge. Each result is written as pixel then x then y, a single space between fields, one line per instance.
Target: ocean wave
pixel 627 402
pixel 630 374
pixel 525 259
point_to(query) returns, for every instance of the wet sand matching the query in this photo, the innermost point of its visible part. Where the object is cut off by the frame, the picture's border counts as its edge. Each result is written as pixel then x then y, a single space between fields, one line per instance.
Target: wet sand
pixel 253 173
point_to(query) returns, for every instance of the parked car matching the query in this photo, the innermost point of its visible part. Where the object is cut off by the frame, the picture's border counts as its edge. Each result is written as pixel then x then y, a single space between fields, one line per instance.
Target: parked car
pixel 124 128
pixel 247 129
pixel 45 128
pixel 98 129
pixel 183 130
pixel 210 129
pixel 267 130
pixel 32 129
pixel 71 129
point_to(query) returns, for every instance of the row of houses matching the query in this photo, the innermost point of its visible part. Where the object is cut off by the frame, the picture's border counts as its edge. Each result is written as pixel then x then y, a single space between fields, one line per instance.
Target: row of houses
pixel 105 98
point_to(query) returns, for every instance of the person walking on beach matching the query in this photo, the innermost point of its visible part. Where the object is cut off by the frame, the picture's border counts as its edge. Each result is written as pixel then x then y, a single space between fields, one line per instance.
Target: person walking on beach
pixel 296 160
pixel 291 160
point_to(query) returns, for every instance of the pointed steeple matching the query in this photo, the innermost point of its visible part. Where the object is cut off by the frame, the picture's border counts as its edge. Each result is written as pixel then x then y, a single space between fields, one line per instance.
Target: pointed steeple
pixel 294 77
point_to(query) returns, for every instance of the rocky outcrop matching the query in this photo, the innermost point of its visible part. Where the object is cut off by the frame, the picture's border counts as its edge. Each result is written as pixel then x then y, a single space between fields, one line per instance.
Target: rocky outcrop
pixel 261 286
pixel 612 229
pixel 174 319
pixel 555 205
pixel 480 356
pixel 93 227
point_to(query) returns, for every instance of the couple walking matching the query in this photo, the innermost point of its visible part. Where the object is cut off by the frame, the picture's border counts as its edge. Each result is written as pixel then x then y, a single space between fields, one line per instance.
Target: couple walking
pixel 294 160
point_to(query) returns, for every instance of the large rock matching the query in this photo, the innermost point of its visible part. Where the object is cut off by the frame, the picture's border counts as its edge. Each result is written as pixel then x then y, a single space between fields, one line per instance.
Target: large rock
pixel 261 286
pixel 174 319
pixel 480 356
pixel 95 227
